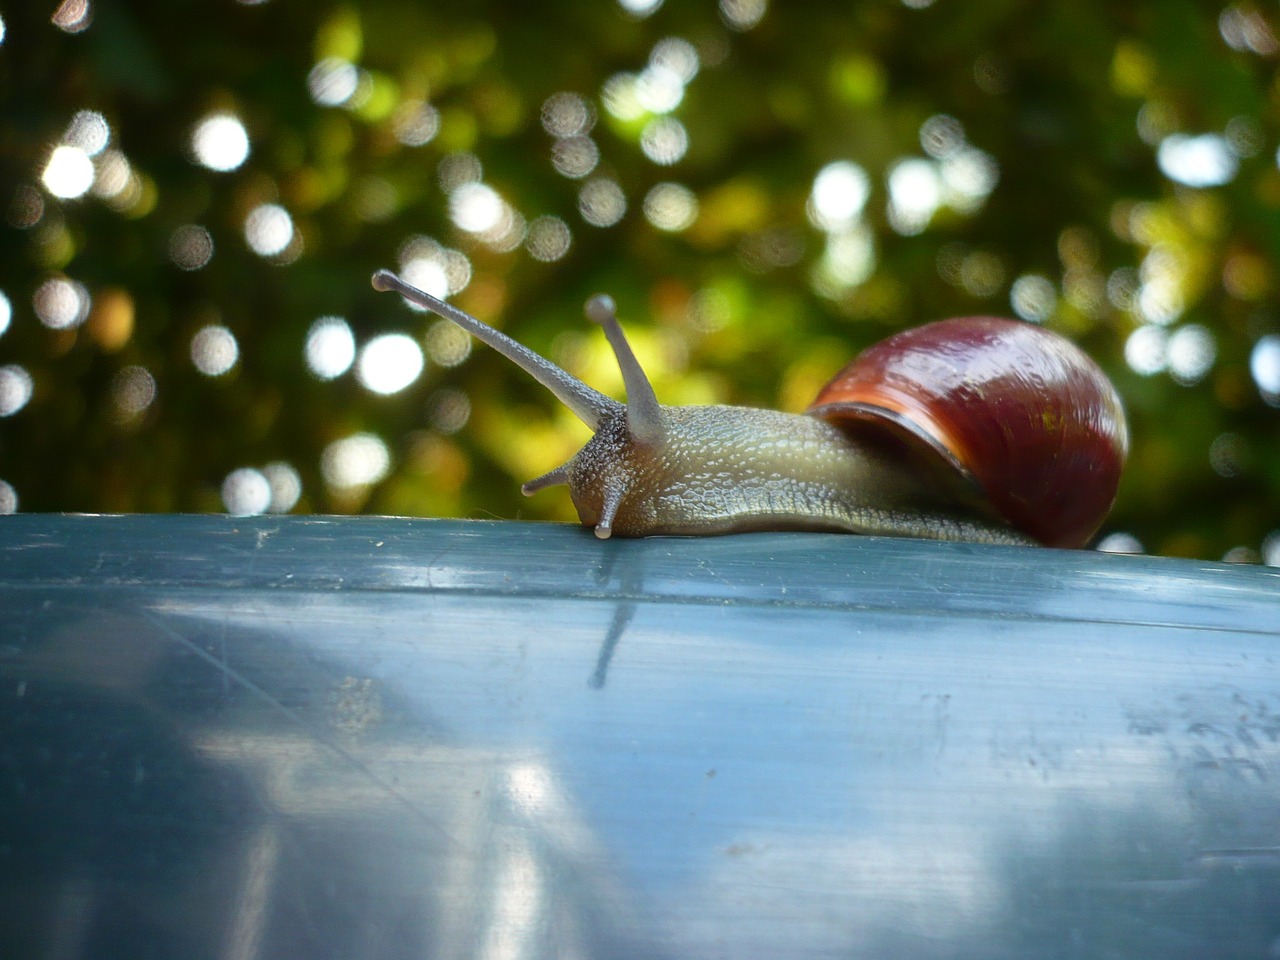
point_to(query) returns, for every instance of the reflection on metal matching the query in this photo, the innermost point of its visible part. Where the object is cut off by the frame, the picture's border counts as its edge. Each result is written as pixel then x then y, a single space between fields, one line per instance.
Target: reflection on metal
pixel 287 737
pixel 623 611
pixel 251 911
pixel 497 825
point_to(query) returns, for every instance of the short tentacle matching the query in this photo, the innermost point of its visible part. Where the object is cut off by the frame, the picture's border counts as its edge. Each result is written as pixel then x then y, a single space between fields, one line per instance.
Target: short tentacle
pixel 554 478
pixel 644 413
pixel 614 491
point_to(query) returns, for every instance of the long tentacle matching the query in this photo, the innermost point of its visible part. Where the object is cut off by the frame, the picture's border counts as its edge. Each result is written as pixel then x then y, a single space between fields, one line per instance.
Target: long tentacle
pixel 588 404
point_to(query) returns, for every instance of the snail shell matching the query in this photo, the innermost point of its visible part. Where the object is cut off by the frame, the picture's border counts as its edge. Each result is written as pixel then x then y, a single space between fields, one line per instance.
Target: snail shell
pixel 1018 409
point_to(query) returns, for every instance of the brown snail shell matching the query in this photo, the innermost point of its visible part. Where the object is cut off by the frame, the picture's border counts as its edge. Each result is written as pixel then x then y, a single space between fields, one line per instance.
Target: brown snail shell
pixel 1019 409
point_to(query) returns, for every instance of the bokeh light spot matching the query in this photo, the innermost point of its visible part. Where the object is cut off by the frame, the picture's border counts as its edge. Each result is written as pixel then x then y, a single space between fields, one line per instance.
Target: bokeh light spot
pixel 416 123
pixel 8 498
pixel 389 363
pixel 640 8
pixel 567 114
pixel 1246 276
pixel 664 140
pixel 1156 120
pixel 268 229
pixel 981 274
pixel 246 492
pixel 1122 288
pixel 438 270
pixel 621 97
pixel 457 169
pixel 1086 291
pixel 448 344
pixel 676 55
pixel 659 89
pixel 915 192
pixel 61 303
pixel 111 320
pixel 968 177
pixel 838 196
pixel 1190 353
pixel 507 234
pixel 214 350
pixel 73 16
pixel 16 387
pixel 601 202
pixel 476 207
pixel 1241 554
pixel 848 259
pixel 1264 364
pixel 1144 349
pixel 191 247
pixel 941 136
pixel 1159 300
pixel 115 180
pixel 1245 136
pixel 1245 29
pixel 1271 549
pixel 1229 455
pixel 449 410
pixel 133 390
pixel 330 348
pixel 26 208
pixel 69 173
pixel 1159 297
pixel 770 249
pixel 333 81
pixel 549 239
pixel 286 486
pixel 575 157
pixel 1119 542
pixel 743 14
pixel 1033 297
pixel 89 131
pixel 220 142
pixel 1206 160
pixel 355 461
pixel 426 273
pixel 6 312
pixel 671 206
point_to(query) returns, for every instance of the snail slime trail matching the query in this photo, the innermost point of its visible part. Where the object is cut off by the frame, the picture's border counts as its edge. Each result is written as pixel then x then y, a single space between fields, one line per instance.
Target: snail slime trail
pixel 975 428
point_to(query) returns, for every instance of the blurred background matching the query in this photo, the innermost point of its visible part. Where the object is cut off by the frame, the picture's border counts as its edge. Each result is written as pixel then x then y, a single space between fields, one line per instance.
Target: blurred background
pixel 195 194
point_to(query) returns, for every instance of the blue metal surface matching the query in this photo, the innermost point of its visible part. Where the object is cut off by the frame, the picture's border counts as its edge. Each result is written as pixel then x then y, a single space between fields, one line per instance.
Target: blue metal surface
pixel 367 738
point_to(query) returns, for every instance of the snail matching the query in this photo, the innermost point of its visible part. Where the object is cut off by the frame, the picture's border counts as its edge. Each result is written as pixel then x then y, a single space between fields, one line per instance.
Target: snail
pixel 976 428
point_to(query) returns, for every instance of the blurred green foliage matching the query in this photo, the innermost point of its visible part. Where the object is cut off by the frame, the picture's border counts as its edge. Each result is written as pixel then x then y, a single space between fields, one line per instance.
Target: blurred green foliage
pixel 1108 169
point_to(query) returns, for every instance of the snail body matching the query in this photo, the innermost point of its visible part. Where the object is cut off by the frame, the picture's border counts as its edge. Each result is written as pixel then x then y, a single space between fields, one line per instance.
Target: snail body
pixel 904 441
pixel 724 469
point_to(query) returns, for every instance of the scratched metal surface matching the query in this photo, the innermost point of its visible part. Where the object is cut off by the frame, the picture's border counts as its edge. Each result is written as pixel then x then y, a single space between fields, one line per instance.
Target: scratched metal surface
pixel 369 738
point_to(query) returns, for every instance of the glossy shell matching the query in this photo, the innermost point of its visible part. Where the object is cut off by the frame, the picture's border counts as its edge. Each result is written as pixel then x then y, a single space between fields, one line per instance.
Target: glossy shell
pixel 1021 410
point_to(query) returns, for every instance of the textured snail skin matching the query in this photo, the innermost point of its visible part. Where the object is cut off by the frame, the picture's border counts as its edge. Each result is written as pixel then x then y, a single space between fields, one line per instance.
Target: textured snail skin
pixel 726 469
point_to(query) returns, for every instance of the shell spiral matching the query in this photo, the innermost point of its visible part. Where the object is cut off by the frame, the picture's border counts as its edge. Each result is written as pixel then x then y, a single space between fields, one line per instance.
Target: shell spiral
pixel 1021 410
